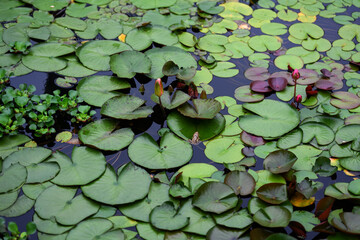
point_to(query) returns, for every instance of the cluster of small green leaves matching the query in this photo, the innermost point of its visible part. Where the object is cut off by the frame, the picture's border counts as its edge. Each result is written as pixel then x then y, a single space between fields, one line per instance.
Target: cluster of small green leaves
pixel 11 232
pixel 20 106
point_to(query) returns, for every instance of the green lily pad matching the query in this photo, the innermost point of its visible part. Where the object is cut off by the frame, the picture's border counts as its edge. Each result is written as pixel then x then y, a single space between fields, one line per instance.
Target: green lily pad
pixel 195 170
pixel 130 184
pixel 322 133
pixel 202 109
pixel 27 157
pixel 104 134
pixel 347 222
pixel 96 54
pixel 85 165
pixel 354 187
pixel 224 70
pixel 245 94
pixel 171 102
pixel 349 32
pixel 320 45
pixel 345 100
pixel 72 23
pixel 279 161
pixel 148 232
pixel 75 69
pixel 223 233
pixel 283 61
pixel 287 15
pixel 160 56
pixel 215 197
pixel 272 119
pixel 273 216
pixel 347 133
pixel 50 5
pixel 185 127
pixel 263 43
pixel 96 90
pixel 49 226
pixel 292 139
pixel 97 228
pixel 158 194
pixel 34 190
pixel 306 56
pixel 165 217
pixel 80 10
pixel 144 4
pixel 224 150
pixel 241 182
pixel 42 172
pixel 273 193
pixel 171 153
pixel 210 7
pixel 307 219
pixel 305 30
pixel 323 167
pixel 22 205
pixel 127 64
pixel 61 203
pixel 132 107
pixel 212 43
pixel 8 199
pixel 10 143
pixel 12 178
pixel 45 57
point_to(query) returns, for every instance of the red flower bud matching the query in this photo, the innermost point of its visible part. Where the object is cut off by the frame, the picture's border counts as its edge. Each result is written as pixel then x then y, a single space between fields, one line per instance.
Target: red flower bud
pixel 295 74
pixel 159 89
pixel 298 98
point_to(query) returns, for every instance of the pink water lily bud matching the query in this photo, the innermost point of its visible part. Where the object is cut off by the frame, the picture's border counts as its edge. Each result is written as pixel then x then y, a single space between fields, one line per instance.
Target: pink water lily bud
pixel 298 98
pixel 159 89
pixel 295 74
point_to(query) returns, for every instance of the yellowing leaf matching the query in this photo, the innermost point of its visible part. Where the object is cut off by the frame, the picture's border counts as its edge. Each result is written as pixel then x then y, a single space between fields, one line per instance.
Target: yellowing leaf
pixel 298 200
pixel 304 18
pixel 122 37
pixel 349 173
pixel 31 144
pixel 335 162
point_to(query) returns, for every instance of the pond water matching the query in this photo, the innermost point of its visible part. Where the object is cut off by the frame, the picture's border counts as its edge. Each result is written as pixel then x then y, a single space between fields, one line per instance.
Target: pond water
pixel 223 83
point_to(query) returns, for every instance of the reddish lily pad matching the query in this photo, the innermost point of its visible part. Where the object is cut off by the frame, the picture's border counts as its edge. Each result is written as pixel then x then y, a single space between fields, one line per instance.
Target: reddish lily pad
pixel 278 83
pixel 257 74
pixel 324 85
pixel 251 140
pixel 345 100
pixel 260 87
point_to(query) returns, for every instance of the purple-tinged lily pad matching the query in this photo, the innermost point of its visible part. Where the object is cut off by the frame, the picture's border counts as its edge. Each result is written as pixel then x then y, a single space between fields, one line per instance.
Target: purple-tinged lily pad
pixel 354 119
pixel 324 85
pixel 345 100
pixel 279 161
pixel 257 74
pixel 260 87
pixel 251 140
pixel 326 73
pixel 278 83
pixel 283 74
pixel 308 76
pixel 245 94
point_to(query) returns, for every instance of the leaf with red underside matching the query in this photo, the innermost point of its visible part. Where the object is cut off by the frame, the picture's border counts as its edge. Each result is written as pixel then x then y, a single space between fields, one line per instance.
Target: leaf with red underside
pixel 324 85
pixel 251 140
pixel 260 87
pixel 324 227
pixel 192 91
pixel 323 208
pixel 278 83
pixel 257 74
pixel 326 73
pixel 298 229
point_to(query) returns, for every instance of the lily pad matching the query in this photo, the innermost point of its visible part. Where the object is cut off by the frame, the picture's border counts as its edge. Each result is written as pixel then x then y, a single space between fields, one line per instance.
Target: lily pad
pixel 165 217
pixel 215 197
pixel 305 30
pixel 224 150
pixel 130 184
pixel 50 5
pixel 22 205
pixel 27 157
pixel 104 134
pixel 45 57
pixel 245 94
pixel 171 153
pixel 171 102
pixel 132 107
pixel 85 165
pixel 96 90
pixel 322 133
pixel 279 161
pixel 286 60
pixel 12 178
pixel 60 203
pixel 96 54
pixel 241 182
pixel 257 74
pixel 272 119
pixel 273 193
pixel 273 216
pixel 202 109
pixel 185 127
pixel 263 43
pixel 8 199
pixel 345 100
pixel 144 4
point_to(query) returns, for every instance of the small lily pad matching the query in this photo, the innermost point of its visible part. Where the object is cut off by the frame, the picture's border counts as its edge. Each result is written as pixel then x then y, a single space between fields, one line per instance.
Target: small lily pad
pixel 165 217
pixel 273 216
pixel 203 108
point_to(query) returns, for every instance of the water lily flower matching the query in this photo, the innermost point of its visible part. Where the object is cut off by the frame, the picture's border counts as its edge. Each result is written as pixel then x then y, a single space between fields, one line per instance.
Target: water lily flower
pixel 159 89
pixel 298 98
pixel 295 74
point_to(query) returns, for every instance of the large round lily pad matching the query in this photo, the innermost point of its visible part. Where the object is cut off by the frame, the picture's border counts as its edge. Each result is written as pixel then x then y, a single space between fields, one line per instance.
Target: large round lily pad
pixel 224 150
pixel 215 197
pixel 203 108
pixel 263 43
pixel 273 216
pixel 62 204
pixel 96 54
pixel 165 217
pixel 130 184
pixel 286 60
pixel 241 182
pixel 104 134
pixel 128 63
pixel 85 165
pixel 131 107
pixel 305 30
pixel 279 161
pixel 269 119
pixel 45 57
pixel 171 153
pixel 273 193
pixel 96 90
pixel 185 127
